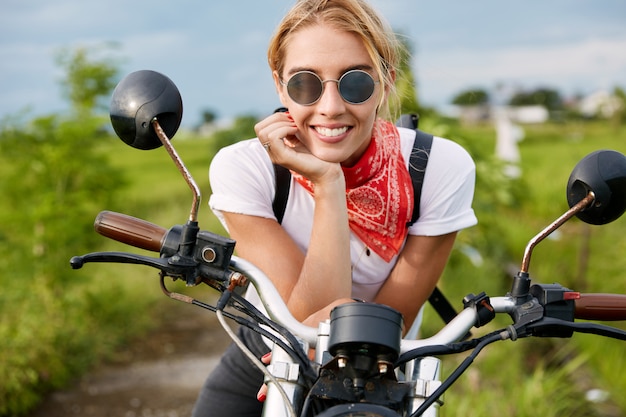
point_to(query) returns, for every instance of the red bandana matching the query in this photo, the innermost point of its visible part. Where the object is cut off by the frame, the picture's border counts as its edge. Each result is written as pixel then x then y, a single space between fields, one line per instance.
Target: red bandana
pixel 379 193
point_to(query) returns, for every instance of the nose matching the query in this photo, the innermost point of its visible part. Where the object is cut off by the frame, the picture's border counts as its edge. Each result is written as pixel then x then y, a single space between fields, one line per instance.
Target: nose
pixel 331 103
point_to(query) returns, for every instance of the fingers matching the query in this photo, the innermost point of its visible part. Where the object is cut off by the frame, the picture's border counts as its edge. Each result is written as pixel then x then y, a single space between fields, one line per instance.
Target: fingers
pixel 262 394
pixel 286 145
pixel 291 142
pixel 276 132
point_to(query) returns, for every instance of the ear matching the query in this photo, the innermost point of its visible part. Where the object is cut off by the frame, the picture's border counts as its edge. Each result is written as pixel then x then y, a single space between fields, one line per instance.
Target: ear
pixel 279 88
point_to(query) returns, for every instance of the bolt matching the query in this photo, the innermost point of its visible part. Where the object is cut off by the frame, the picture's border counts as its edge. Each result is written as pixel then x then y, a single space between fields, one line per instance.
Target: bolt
pixel 342 362
pixel 382 368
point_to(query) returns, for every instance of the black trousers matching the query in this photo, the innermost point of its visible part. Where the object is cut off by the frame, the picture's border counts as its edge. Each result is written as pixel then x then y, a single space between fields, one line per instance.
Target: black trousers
pixel 230 390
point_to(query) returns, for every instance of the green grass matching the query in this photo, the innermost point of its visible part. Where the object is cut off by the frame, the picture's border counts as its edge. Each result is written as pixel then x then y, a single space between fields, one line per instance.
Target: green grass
pixel 535 376
pixel 52 331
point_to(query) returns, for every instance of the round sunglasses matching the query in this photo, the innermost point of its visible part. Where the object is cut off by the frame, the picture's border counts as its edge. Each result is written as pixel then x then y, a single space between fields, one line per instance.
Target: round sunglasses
pixel 306 87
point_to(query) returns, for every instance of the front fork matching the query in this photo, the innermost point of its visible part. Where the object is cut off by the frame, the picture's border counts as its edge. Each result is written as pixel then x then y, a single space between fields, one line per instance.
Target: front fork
pixel 288 375
pixel 424 374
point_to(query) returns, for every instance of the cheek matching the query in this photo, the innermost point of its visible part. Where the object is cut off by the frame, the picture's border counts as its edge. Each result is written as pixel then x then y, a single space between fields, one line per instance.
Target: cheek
pixel 299 116
pixel 368 116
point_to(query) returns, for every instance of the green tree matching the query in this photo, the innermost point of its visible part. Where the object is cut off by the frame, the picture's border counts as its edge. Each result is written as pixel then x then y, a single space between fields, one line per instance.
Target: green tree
pixel 619 116
pixel 242 128
pixel 53 181
pixel 546 97
pixel 208 116
pixel 87 80
pixel 472 97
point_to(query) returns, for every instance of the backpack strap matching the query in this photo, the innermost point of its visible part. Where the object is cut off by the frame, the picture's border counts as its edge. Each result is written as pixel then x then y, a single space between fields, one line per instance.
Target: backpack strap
pixel 418 159
pixel 283 183
pixel 417 168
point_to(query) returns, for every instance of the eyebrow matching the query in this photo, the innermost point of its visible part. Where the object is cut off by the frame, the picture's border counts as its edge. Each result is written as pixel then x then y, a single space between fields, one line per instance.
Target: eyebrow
pixel 362 67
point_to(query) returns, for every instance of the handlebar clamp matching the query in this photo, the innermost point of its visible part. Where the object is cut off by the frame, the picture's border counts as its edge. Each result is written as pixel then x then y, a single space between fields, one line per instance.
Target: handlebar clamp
pixel 558 303
pixel 484 309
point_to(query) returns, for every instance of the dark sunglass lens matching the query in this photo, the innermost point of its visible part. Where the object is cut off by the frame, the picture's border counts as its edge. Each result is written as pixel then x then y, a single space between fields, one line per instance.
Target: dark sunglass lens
pixel 304 88
pixel 356 86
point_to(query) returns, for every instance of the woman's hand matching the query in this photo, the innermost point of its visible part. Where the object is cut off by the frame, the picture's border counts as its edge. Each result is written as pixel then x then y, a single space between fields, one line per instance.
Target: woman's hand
pixel 278 133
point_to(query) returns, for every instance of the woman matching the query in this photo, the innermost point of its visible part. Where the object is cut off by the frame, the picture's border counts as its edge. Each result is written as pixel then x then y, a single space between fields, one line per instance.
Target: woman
pixel 344 233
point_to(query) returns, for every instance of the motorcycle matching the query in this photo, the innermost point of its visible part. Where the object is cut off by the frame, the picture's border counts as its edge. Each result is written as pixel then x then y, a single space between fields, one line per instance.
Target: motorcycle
pixel 362 365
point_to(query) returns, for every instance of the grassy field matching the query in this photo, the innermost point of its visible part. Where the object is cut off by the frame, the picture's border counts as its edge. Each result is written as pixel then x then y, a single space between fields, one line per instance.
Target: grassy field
pixel 524 378
pixel 536 376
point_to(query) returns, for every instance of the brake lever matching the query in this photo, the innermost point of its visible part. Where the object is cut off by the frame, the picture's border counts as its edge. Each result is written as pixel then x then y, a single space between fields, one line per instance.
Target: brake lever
pixel 77 262
pixel 174 266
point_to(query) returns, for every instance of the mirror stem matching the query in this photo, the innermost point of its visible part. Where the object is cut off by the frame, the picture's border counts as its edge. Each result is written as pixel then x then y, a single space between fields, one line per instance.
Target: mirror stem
pixel 580 206
pixel 193 215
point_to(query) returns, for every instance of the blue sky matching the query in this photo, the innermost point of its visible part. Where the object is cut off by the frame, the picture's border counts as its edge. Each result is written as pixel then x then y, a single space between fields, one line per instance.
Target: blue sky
pixel 215 50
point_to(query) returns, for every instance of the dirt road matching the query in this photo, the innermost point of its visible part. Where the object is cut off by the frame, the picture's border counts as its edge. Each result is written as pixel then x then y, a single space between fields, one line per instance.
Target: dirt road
pixel 158 376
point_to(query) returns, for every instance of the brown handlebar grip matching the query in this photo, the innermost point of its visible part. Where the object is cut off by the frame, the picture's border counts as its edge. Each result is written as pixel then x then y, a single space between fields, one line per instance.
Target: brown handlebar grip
pixel 130 230
pixel 607 307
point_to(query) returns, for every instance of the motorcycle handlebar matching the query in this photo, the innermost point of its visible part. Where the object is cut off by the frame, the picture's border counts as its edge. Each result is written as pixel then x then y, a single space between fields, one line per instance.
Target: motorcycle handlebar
pixel 605 307
pixel 130 230
pixel 149 236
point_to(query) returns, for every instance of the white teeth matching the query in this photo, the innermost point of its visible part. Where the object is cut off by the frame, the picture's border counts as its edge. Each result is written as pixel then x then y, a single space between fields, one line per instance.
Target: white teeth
pixel 324 131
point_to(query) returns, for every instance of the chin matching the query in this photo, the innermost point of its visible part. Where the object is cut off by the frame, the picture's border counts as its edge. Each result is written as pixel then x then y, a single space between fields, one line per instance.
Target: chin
pixel 331 156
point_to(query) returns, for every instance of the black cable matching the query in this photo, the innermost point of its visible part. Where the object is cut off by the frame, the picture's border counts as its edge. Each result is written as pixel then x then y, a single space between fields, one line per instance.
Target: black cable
pixel 251 310
pixel 590 328
pixel 295 351
pixel 456 374
pixel 447 349
pixel 254 326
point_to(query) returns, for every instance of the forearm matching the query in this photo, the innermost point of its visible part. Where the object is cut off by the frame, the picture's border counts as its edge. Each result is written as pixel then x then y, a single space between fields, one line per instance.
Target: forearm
pixel 416 274
pixel 407 299
pixel 326 273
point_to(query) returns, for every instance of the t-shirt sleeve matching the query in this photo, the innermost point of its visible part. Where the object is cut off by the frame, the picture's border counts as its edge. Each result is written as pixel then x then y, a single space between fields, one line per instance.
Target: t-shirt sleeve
pixel 447 191
pixel 242 180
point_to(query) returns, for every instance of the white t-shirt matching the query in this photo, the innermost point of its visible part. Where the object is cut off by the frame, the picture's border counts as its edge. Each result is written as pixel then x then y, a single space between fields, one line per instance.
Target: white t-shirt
pixel 242 181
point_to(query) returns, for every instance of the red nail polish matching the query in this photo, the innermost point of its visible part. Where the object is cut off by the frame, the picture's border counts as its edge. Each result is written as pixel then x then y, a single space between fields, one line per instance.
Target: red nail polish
pixel 261 397
pixel 267 355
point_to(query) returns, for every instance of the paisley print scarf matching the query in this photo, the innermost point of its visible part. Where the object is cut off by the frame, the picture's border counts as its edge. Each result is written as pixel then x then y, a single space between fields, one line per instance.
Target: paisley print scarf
pixel 379 193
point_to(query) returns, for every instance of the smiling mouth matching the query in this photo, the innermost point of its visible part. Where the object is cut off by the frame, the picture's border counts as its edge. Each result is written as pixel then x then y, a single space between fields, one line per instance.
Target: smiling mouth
pixel 331 133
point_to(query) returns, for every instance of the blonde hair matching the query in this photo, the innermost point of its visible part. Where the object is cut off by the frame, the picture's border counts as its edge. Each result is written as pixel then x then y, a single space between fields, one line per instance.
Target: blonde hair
pixel 354 16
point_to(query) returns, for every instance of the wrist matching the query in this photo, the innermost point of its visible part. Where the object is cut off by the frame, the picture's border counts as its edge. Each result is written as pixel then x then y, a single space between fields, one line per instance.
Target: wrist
pixel 331 183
